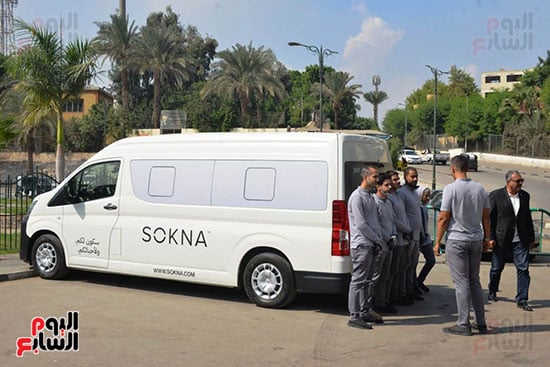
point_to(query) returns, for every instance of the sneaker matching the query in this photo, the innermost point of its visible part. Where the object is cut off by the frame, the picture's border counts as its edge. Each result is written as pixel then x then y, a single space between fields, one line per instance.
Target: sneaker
pixel 492 297
pixel 423 287
pixel 458 330
pixel 359 323
pixel 525 306
pixel 481 329
pixel 372 316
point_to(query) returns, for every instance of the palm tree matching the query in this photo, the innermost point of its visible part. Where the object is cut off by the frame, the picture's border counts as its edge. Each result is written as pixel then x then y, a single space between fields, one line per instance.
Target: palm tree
pixel 160 50
pixel 375 98
pixel 247 73
pixel 49 74
pixel 115 40
pixel 337 89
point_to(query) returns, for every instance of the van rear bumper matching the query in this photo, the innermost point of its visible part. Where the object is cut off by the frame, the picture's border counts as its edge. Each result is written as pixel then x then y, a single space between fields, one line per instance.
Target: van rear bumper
pixel 309 282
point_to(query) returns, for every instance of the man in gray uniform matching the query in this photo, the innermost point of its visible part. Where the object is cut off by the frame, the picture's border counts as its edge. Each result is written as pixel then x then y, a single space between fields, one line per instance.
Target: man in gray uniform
pixel 366 240
pixel 400 258
pixel 389 236
pixel 465 216
pixel 408 195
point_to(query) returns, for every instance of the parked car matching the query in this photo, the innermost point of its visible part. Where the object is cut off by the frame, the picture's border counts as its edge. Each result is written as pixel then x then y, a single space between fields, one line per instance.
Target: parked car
pixel 34 184
pixel 410 156
pixel 440 158
pixel 472 161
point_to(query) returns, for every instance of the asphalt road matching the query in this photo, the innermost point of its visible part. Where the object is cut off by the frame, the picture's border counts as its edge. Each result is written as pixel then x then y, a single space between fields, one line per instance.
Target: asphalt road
pixel 130 321
pixel 491 175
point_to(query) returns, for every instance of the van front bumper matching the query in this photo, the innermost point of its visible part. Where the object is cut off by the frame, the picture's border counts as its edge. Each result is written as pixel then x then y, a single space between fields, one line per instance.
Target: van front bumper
pixel 24 251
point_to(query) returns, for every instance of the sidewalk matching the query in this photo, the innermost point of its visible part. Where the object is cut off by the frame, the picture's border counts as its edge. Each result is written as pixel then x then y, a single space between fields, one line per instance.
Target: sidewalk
pixel 11 268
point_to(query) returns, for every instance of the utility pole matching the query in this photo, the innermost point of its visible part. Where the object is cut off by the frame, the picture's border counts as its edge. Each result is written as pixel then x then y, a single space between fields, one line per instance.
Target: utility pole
pixel 122 8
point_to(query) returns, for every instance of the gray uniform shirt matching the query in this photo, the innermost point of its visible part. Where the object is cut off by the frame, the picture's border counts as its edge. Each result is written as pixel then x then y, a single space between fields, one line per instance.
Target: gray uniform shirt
pixel 386 219
pixel 412 208
pixel 363 219
pixel 465 199
pixel 400 217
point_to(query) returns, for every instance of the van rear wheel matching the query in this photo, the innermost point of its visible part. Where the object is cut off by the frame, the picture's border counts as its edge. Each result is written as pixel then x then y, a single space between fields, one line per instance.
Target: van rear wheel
pixel 269 281
pixel 48 258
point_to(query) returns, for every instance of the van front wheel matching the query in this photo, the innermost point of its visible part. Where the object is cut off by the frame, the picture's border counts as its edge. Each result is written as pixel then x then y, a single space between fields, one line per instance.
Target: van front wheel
pixel 269 281
pixel 48 257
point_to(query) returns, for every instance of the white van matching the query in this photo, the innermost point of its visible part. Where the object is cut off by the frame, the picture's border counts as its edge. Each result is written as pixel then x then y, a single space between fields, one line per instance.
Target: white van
pixel 265 211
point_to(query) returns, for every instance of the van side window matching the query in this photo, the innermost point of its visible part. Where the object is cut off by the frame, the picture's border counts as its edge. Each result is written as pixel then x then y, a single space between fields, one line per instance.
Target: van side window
pixel 93 182
pixel 259 184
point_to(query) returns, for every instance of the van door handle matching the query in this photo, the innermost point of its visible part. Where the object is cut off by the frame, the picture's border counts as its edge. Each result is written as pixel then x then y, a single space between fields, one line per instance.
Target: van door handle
pixel 110 207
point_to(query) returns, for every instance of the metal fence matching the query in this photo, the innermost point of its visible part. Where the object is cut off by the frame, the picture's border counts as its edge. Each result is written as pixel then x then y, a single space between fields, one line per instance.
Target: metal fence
pixel 16 194
pixel 537 147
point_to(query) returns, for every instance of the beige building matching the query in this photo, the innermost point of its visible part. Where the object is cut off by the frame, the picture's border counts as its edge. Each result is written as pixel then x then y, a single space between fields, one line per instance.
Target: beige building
pixel 499 80
pixel 89 97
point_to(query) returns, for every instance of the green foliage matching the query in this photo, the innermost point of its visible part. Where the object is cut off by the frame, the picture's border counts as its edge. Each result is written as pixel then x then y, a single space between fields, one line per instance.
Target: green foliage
pixel 87 134
pixel 394 123
pixel 7 132
pixel 247 74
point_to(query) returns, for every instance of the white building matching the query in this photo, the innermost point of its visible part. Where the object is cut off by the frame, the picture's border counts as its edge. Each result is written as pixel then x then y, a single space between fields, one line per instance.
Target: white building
pixel 499 80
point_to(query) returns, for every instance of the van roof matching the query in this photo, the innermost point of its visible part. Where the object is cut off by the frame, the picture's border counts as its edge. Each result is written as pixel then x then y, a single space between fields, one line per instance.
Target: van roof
pixel 237 137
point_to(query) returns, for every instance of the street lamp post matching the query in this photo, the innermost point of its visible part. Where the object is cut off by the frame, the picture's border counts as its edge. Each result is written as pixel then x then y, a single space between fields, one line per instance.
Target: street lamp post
pixel 321 53
pixel 436 73
pixel 406 115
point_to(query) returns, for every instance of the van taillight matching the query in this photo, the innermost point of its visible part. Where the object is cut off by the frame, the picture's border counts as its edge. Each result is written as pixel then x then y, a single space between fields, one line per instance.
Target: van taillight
pixel 340 228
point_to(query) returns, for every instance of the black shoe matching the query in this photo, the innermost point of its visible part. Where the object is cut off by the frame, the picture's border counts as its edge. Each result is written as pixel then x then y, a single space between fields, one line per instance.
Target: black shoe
pixel 404 301
pixel 359 323
pixel 492 297
pixel 423 287
pixel 458 330
pixel 390 308
pixel 417 291
pixel 525 306
pixel 372 317
pixel 481 329
pixel 415 297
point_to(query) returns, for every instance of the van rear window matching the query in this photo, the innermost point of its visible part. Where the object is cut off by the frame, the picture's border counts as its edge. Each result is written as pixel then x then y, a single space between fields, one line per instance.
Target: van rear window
pixel 352 174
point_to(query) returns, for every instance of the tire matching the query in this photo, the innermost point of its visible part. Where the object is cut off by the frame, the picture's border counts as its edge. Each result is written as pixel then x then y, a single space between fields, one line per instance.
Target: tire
pixel 48 258
pixel 268 281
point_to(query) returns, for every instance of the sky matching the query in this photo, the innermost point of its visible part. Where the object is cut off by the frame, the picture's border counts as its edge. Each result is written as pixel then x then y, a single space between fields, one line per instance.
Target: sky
pixel 392 39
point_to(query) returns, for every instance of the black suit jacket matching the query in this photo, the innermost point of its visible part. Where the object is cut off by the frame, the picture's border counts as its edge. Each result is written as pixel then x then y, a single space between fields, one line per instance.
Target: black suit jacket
pixel 504 220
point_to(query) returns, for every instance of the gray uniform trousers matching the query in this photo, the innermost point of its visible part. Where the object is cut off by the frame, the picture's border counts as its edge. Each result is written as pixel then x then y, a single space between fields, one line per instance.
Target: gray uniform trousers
pixel 382 286
pixel 361 288
pixel 464 260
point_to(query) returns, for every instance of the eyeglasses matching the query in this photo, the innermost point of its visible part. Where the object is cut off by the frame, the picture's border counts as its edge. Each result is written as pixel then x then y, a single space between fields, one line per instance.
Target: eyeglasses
pixel 520 180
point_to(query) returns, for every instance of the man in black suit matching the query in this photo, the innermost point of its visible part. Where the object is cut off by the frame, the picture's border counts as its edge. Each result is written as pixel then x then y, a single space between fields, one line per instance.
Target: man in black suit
pixel 512 233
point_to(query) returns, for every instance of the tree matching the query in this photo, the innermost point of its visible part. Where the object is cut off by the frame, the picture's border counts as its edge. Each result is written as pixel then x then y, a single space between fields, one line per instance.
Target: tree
pixel 115 41
pixel 160 50
pixel 247 73
pixel 461 84
pixel 49 74
pixel 337 89
pixel 375 98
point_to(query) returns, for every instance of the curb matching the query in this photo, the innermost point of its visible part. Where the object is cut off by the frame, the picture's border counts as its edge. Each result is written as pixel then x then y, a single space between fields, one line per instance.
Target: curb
pixel 17 275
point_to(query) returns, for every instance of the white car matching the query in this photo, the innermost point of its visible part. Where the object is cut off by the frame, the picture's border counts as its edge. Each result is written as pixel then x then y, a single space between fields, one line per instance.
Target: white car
pixel 410 156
